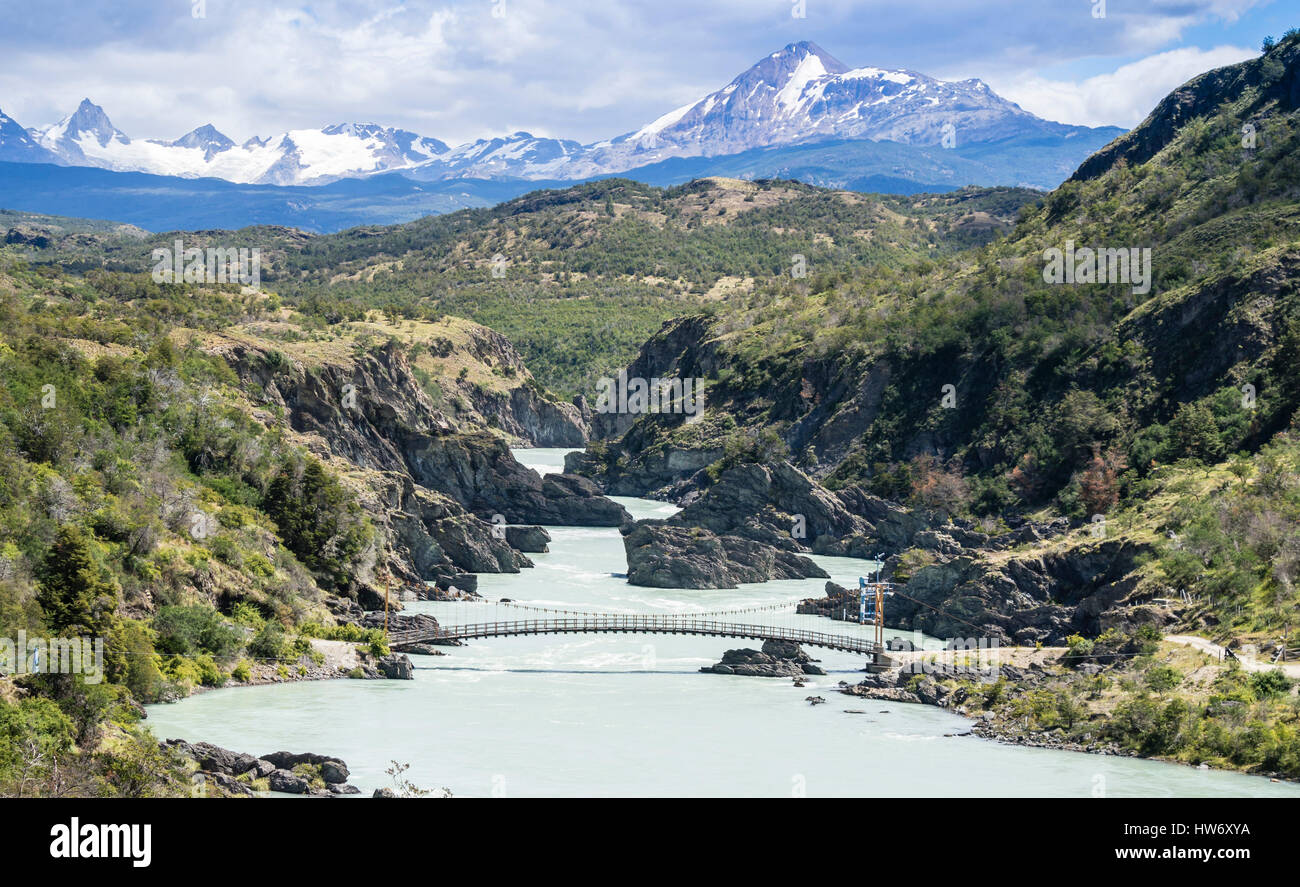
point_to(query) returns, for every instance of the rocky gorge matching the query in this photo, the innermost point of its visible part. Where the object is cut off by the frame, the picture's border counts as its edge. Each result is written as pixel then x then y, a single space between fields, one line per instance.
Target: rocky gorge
pixel 439 493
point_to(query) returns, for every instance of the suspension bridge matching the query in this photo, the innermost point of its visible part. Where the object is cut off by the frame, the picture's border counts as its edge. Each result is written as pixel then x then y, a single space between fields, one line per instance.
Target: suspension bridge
pixel 550 620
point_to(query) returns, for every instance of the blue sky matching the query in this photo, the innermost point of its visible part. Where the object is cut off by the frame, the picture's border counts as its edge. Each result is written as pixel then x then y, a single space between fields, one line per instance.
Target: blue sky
pixel 582 69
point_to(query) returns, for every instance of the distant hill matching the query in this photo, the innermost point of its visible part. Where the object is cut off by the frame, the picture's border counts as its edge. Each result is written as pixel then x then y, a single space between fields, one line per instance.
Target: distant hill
pixel 170 203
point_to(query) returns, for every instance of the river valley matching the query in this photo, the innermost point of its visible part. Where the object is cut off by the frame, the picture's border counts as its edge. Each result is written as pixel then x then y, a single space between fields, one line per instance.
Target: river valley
pixel 630 715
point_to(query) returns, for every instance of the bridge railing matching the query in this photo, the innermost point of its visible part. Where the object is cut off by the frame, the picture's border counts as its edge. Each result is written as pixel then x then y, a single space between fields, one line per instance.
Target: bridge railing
pixel 642 624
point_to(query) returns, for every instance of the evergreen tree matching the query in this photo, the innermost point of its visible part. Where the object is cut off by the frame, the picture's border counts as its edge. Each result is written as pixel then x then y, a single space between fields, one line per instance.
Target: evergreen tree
pixel 1196 433
pixel 317 519
pixel 77 594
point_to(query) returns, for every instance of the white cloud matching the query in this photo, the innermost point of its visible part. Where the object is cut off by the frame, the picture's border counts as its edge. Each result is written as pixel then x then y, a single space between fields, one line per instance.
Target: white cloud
pixel 581 69
pixel 1123 97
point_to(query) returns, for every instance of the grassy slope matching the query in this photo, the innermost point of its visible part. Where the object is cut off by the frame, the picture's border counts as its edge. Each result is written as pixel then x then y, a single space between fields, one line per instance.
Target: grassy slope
pixel 591 271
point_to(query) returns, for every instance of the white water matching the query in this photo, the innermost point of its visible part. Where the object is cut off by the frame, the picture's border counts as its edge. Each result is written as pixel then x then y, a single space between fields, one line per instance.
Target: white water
pixel 575 715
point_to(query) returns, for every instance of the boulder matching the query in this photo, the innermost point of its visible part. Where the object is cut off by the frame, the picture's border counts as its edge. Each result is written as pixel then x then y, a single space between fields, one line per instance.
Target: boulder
pixel 289 783
pixel 334 771
pixel 283 760
pixel 214 759
pixel 530 539
pixel 665 555
pixel 397 667
pixel 777 659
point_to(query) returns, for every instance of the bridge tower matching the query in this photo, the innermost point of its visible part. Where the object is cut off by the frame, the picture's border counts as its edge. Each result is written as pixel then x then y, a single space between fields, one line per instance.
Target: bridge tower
pixel 871 608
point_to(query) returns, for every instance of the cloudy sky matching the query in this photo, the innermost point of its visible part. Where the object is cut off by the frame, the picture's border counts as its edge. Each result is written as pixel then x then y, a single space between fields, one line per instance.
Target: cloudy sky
pixel 582 69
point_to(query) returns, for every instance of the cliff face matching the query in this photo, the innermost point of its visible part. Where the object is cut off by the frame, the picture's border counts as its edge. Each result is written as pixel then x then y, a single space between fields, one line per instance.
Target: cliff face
pixel 514 402
pixel 436 493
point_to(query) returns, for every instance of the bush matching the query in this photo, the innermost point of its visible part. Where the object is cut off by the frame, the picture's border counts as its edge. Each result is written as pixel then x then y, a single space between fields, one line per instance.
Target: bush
pixel 270 643
pixel 1267 684
pixel 1162 678
pixel 190 630
pixel 317 518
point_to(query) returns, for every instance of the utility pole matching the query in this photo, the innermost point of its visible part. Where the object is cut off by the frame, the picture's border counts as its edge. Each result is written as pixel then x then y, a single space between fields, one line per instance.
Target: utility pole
pixel 876 612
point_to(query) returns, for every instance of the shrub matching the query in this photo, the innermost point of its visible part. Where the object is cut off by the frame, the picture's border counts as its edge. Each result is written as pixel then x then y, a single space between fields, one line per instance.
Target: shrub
pixel 190 630
pixel 1162 678
pixel 270 642
pixel 1266 684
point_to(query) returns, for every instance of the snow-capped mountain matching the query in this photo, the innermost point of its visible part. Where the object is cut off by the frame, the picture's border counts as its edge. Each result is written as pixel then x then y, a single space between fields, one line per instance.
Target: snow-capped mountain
pixel 17 145
pixel 802 93
pixel 520 154
pixel 303 156
pixel 797 96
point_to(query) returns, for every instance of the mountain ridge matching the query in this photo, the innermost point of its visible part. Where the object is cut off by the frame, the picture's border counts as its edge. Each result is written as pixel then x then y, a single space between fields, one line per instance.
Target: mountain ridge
pixel 796 95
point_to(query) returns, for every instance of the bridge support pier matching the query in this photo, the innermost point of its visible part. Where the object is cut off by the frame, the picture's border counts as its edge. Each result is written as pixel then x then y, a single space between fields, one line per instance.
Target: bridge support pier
pixel 880 662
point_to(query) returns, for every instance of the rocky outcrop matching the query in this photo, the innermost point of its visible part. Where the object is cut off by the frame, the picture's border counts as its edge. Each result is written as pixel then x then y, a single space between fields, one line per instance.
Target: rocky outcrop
pixel 654 474
pixel 1034 598
pixel 779 498
pixel 478 471
pixel 675 351
pixel 885 526
pixel 758 520
pixel 431 537
pixel 777 659
pixel 433 491
pixel 531 539
pixel 525 414
pixel 666 555
pixel 287 772
pixel 520 408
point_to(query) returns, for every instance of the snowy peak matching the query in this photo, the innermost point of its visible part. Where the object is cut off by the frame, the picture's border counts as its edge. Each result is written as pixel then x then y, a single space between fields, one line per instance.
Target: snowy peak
pixel 82 134
pixel 796 64
pixel 802 93
pixel 90 120
pixel 306 156
pixel 18 146
pixel 207 137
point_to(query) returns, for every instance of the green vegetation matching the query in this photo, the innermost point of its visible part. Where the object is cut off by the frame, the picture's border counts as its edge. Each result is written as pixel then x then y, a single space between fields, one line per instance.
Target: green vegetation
pixel 1155 700
pixel 142 504
pixel 590 272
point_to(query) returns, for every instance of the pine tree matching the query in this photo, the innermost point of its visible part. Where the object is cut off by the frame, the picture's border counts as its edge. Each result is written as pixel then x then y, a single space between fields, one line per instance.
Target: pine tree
pixel 77 594
pixel 1196 433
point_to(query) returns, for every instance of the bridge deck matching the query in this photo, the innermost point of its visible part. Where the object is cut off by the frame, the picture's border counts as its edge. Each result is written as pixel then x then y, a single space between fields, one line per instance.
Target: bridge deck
pixel 636 625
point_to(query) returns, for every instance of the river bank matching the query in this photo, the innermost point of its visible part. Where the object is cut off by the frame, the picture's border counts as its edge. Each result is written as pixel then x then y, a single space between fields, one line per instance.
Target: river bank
pixel 629 715
pixel 1052 699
